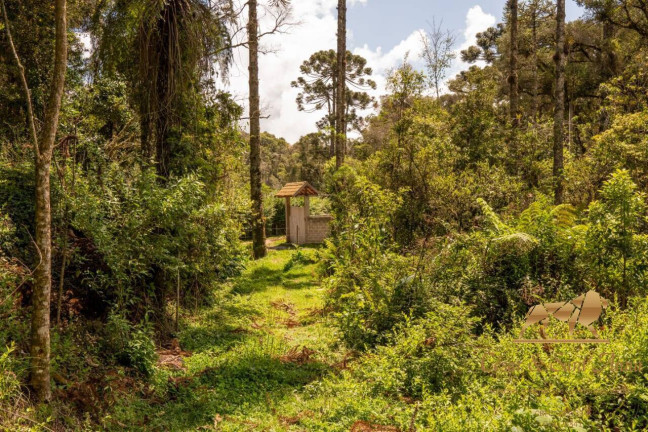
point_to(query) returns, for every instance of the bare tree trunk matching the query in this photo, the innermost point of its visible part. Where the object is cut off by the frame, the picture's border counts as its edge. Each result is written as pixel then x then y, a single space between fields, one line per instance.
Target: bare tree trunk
pixel 559 109
pixel 513 60
pixel 258 225
pixel 43 148
pixel 534 48
pixel 333 118
pixel 340 127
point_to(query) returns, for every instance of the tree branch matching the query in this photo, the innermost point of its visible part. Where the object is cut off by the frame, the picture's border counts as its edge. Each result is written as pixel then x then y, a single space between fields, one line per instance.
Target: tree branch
pixel 23 79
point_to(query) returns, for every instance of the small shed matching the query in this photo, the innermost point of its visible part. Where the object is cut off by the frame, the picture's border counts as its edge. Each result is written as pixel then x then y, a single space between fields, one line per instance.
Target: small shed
pixel 301 227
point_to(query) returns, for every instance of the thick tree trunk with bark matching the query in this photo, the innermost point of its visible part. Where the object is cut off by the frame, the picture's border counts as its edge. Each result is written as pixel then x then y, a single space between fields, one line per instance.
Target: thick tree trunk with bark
pixel 559 109
pixel 513 60
pixel 258 225
pixel 340 126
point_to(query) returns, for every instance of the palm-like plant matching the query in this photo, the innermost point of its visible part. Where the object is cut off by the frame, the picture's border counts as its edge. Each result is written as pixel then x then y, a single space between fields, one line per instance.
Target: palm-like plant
pixel 176 44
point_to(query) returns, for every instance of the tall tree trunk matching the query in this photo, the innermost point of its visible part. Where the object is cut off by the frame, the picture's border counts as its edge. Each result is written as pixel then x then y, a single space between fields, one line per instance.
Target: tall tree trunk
pixel 258 225
pixel 166 27
pixel 43 148
pixel 340 126
pixel 333 118
pixel 608 67
pixel 513 60
pixel 534 68
pixel 559 109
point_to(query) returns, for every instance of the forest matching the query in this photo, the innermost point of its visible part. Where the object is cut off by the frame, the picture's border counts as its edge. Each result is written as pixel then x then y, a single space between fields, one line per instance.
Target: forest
pixel 486 262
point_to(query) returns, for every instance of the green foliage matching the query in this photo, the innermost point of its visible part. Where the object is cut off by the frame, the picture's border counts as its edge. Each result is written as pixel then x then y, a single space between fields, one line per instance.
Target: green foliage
pixel 431 354
pixel 435 375
pixel 299 257
pixel 615 248
pixel 370 287
pixel 9 381
pixel 547 252
pixel 131 345
pixel 142 230
pixel 317 87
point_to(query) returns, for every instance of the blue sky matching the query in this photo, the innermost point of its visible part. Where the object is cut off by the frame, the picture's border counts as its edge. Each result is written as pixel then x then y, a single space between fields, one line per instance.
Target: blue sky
pixel 382 31
pixel 387 22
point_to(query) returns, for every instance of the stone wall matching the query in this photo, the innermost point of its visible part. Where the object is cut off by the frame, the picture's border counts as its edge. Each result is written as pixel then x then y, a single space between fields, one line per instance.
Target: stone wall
pixel 319 228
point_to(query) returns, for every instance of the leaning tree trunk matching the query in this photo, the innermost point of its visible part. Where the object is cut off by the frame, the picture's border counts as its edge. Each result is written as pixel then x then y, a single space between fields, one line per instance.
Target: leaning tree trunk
pixel 340 127
pixel 513 75
pixel 258 225
pixel 559 109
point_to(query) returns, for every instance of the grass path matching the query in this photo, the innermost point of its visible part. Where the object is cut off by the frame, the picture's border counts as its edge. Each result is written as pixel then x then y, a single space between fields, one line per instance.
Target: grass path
pixel 248 357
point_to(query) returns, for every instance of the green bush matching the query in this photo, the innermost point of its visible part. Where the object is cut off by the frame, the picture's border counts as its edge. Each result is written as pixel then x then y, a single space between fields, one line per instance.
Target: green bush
pixel 144 234
pixel 131 345
pixel 435 374
pixel 431 354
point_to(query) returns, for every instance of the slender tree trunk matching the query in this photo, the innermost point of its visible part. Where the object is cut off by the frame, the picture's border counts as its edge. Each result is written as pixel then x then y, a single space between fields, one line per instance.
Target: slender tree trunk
pixel 43 147
pixel 340 127
pixel 534 69
pixel 258 225
pixel 513 60
pixel 559 109
pixel 333 118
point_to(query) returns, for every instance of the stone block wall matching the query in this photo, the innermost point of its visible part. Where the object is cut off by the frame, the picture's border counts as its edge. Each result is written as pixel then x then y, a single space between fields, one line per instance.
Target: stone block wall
pixel 319 228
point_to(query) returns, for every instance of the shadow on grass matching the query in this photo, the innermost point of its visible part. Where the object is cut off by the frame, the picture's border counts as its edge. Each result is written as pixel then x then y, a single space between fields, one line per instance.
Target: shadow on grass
pixel 258 279
pixel 238 386
pixel 201 338
pixel 220 328
pixel 299 285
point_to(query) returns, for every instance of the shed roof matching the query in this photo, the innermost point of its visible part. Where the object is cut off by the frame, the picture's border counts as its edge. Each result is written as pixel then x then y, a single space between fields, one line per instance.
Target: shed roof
pixel 297 189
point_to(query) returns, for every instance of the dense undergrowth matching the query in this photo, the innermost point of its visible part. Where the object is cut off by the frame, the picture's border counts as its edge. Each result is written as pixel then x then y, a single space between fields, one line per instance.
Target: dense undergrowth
pixel 453 214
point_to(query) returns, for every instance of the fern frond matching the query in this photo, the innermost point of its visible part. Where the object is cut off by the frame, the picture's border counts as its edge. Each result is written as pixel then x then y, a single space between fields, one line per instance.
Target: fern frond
pixel 518 242
pixel 493 222
pixel 564 216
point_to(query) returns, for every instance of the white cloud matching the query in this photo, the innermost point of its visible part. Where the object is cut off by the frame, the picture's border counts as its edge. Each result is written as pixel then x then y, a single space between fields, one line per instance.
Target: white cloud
pixel 317 31
pixel 382 62
pixel 476 21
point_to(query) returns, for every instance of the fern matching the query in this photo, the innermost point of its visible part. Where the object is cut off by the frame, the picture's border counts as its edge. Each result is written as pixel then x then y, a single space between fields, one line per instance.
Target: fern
pixel 518 242
pixel 564 216
pixel 493 222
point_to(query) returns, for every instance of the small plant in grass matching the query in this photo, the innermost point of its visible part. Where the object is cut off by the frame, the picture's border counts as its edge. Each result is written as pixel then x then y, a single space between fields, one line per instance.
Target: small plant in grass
pixel 299 257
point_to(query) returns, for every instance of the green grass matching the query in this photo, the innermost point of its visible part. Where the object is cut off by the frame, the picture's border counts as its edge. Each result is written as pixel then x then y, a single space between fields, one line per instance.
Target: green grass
pixel 236 378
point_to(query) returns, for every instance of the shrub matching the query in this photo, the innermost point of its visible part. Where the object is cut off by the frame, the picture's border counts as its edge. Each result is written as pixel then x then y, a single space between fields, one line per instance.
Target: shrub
pixel 143 234
pixel 131 345
pixel 431 354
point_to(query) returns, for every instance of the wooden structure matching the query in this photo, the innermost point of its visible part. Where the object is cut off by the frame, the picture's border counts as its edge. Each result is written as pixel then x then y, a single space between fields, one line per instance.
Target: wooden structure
pixel 301 227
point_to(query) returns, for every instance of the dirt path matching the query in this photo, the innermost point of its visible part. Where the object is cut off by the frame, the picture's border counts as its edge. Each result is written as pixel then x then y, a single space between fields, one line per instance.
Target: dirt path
pixel 246 357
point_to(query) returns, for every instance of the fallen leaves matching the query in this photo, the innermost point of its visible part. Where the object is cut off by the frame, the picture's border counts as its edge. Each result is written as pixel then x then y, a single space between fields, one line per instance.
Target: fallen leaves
pixel 173 358
pixel 283 305
pixel 363 426
pixel 297 356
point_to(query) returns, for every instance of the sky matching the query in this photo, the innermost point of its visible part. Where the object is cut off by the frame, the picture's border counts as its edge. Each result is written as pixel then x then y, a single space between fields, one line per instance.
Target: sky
pixel 382 31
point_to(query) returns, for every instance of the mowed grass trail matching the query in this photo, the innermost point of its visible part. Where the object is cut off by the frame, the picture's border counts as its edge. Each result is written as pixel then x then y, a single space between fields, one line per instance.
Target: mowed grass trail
pixel 245 358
